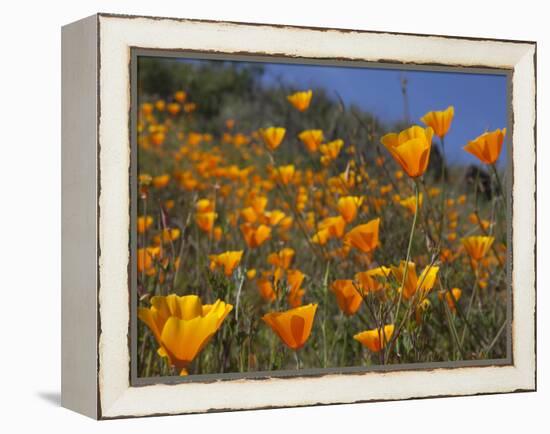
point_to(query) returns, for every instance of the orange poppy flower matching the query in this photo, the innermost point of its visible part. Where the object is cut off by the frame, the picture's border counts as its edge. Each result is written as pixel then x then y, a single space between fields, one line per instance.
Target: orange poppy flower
pixel 413 283
pixel 300 100
pixel 173 108
pixel 205 220
pixel 348 299
pixel 145 259
pixel 228 260
pixel 255 236
pixel 312 139
pixel 450 299
pixel 373 280
pixel 180 96
pixel 183 326
pixel 292 326
pixel 410 149
pixel 144 223
pixel 364 237
pixel 167 235
pixel 439 121
pixel 285 174
pixel 477 246
pixel 375 339
pixel 281 259
pixel 266 289
pixel 272 136
pixel 334 225
pixel 348 206
pixel 410 203
pixel 487 146
pixel 161 181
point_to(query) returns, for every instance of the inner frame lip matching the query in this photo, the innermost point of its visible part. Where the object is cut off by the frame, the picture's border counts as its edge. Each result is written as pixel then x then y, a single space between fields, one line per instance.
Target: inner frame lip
pixel 281 58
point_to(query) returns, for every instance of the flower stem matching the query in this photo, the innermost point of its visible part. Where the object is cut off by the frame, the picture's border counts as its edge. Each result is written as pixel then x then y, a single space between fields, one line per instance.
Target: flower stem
pixel 408 257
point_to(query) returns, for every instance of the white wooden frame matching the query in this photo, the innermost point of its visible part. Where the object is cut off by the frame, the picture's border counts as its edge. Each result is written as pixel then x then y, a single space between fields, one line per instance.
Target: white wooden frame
pixel 96 219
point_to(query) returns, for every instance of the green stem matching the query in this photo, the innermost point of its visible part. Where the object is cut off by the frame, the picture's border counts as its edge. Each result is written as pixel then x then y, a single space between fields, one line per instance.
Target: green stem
pixel 408 257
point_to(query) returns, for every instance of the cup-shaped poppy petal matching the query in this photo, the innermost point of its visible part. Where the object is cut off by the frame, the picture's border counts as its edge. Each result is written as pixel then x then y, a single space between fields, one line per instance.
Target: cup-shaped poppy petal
pixel 255 236
pixel 182 325
pixel 273 136
pixel 334 225
pixel 228 260
pixel 375 339
pixel 410 149
pixel 477 246
pixel 439 121
pixel 312 139
pixel 285 174
pixel 292 326
pixel 348 206
pixel 205 221
pixel 300 100
pixel 364 237
pixel 373 280
pixel 348 299
pixel 411 279
pixel 282 258
pixel 487 146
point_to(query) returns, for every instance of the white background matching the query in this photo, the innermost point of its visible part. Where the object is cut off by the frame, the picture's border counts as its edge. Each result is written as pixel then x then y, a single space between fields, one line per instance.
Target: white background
pixel 31 200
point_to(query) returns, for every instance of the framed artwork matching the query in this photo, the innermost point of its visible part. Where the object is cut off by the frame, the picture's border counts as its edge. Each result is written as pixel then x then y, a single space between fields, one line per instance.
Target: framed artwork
pixel 260 216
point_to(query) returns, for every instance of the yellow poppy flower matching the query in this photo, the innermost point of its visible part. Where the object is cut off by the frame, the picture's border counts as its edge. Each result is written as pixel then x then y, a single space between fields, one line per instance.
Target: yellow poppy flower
pixel 410 202
pixel 272 136
pixel 373 279
pixel 439 121
pixel 281 259
pixel 348 299
pixel 266 289
pixel 321 237
pixel 180 96
pixel 228 260
pixel 450 299
pixel 348 206
pixel 145 259
pixel 147 108
pixel 183 326
pixel 161 181
pixel 273 218
pixel 331 150
pixel 292 326
pixel 205 220
pixel 295 297
pixel 255 236
pixel 410 149
pixel 173 108
pixel 300 100
pixel 294 279
pixel 144 223
pixel 312 139
pixel 160 105
pixel 166 236
pixel 477 246
pixel 487 146
pixel 334 225
pixel 375 339
pixel 285 174
pixel 423 283
pixel 364 237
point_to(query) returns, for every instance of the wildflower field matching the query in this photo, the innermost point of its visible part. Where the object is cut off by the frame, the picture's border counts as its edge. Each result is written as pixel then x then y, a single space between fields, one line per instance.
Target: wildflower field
pixel 282 228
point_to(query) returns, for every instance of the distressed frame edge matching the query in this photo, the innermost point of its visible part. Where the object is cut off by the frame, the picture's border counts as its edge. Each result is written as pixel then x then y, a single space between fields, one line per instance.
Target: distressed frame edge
pixel 529 384
pixel 79 138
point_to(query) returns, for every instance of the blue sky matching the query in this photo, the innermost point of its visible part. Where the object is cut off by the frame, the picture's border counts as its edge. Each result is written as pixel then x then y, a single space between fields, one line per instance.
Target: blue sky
pixel 479 99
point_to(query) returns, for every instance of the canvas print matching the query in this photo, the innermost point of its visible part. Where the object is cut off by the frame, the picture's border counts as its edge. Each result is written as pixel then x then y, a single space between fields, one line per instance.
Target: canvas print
pixel 295 217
